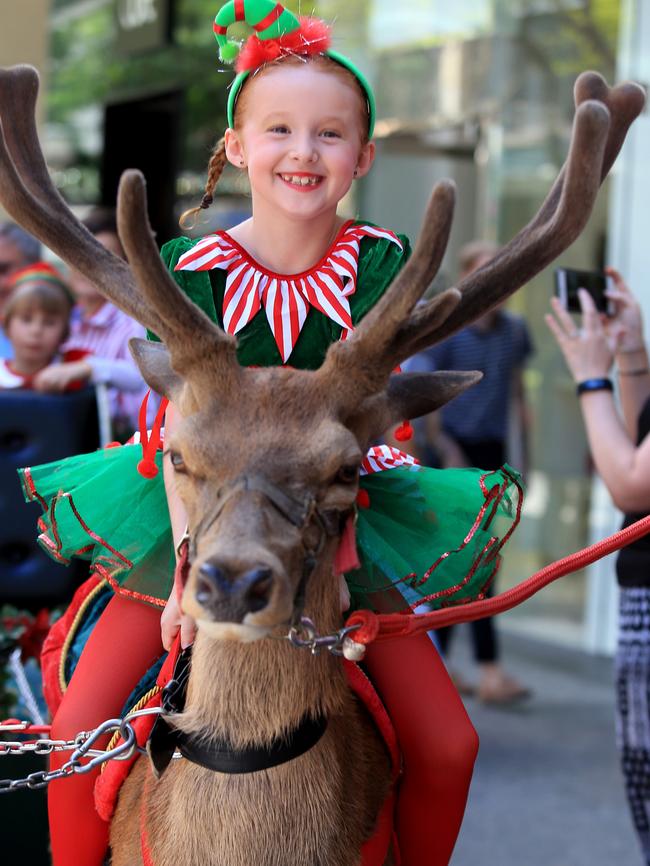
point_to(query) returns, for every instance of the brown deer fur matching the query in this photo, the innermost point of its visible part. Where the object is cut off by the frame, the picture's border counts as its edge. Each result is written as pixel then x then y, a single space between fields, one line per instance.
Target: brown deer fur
pixel 304 433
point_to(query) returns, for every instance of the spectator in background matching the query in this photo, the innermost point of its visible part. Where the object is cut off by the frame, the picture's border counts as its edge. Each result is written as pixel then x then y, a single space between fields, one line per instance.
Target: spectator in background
pixel 621 451
pixel 17 249
pixel 99 341
pixel 473 430
pixel 37 321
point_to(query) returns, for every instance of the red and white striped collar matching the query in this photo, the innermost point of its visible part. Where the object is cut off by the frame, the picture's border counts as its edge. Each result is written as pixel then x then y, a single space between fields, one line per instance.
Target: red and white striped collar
pixel 286 298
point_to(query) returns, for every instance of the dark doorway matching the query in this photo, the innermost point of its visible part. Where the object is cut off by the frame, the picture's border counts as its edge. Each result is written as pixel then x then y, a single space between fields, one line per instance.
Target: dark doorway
pixel 145 134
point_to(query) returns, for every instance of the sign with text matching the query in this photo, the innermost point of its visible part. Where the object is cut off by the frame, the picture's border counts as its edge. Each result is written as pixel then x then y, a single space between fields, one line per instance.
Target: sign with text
pixel 142 25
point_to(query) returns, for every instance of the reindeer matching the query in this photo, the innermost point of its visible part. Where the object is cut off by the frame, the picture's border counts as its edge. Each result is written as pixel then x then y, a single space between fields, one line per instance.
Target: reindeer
pixel 267 463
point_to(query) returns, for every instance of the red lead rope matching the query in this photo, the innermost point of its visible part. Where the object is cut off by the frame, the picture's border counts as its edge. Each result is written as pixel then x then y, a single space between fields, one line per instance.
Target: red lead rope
pixel 386 626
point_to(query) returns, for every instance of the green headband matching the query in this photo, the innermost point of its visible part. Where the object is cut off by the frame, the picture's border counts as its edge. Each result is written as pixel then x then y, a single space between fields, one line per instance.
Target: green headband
pixel 277 32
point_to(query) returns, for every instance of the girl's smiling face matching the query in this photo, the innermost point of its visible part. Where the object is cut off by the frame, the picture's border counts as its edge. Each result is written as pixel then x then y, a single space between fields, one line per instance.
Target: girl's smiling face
pixel 300 135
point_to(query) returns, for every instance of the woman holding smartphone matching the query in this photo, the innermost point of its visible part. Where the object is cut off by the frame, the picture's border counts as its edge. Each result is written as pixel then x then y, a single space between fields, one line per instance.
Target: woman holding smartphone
pixel 620 446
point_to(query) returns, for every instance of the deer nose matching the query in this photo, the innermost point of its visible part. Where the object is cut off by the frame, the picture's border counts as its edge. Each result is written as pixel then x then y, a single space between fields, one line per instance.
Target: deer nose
pixel 212 580
pixel 231 598
pixel 257 585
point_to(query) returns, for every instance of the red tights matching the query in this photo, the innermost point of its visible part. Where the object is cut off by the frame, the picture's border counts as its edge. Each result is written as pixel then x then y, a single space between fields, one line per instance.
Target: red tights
pixel 438 745
pixel 436 737
pixel 110 666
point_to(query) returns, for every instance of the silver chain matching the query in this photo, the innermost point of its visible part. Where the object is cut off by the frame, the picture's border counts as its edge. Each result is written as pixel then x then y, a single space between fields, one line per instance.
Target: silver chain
pixel 81 747
pixel 305 636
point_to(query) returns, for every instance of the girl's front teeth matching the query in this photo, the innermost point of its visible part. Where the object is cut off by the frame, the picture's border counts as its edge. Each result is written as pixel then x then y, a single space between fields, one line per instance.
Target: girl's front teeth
pixel 300 181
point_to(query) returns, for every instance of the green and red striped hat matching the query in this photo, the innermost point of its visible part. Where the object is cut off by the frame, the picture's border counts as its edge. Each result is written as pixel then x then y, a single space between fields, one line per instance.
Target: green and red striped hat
pixel 40 272
pixel 278 32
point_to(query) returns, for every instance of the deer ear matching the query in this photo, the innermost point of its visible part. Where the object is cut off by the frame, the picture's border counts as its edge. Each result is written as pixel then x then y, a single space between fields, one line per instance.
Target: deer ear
pixel 409 395
pixel 154 363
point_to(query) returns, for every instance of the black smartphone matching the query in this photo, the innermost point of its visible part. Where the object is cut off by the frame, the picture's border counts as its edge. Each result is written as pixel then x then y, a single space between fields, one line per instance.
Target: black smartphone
pixel 568 281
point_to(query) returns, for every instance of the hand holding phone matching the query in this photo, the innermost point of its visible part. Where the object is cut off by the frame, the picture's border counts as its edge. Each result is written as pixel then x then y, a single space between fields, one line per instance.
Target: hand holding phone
pixel 569 281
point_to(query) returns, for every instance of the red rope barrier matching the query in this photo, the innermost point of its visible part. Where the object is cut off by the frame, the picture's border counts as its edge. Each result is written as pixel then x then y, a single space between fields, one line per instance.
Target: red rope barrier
pixel 17 726
pixel 386 626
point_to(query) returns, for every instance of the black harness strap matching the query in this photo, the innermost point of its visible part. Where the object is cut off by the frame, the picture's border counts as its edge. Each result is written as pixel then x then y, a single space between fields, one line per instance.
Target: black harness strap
pixel 220 756
pixel 298 510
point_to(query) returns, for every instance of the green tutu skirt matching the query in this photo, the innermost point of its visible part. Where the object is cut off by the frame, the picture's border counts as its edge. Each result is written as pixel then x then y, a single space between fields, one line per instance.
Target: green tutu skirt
pixel 423 535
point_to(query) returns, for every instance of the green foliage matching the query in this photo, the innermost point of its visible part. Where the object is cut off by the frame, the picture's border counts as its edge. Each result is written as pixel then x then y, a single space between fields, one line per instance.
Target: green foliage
pixel 569 40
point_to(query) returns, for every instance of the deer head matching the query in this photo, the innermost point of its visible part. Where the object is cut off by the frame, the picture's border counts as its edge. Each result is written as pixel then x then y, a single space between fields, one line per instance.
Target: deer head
pixel 267 460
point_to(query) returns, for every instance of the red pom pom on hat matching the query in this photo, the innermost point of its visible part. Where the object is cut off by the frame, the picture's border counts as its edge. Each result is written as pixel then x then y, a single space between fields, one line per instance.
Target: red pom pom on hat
pixel 363 498
pixel 314 37
pixel 404 432
pixel 147 468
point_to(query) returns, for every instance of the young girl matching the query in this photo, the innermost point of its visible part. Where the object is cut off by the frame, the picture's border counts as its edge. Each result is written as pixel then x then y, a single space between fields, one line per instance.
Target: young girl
pixel 288 282
pixel 37 320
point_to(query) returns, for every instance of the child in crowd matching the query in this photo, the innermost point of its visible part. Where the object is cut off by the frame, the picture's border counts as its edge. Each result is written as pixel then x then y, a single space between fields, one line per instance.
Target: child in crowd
pixel 36 322
pixel 288 282
pixel 97 349
pixel 17 250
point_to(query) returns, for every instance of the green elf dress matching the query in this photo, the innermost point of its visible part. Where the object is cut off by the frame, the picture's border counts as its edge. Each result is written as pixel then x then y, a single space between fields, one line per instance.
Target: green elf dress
pixel 434 534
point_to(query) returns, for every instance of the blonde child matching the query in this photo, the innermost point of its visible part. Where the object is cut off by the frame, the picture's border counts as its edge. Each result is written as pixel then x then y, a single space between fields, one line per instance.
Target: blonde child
pixel 97 348
pixel 36 322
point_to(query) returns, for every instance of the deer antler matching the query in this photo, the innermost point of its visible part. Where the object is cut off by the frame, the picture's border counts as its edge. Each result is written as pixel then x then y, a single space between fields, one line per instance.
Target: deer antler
pixel 374 336
pixel 559 221
pixel 30 198
pixel 396 328
pixel 191 337
pixel 624 102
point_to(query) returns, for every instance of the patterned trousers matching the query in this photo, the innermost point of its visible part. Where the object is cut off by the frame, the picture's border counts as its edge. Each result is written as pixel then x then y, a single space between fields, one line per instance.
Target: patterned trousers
pixel 633 706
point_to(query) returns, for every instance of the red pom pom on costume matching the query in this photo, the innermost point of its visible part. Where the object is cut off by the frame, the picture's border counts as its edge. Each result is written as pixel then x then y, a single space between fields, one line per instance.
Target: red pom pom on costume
pixel 404 432
pixel 363 499
pixel 113 445
pixel 314 37
pixel 147 468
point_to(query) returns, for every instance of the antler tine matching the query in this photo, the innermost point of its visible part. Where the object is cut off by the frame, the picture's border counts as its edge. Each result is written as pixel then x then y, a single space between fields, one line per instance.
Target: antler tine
pixel 538 244
pixel 189 334
pixel 377 331
pixel 624 102
pixel 18 96
pixel 30 198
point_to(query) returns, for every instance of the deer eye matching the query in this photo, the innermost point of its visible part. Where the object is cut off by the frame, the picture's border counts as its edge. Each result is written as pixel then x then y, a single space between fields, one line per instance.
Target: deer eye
pixel 177 461
pixel 348 474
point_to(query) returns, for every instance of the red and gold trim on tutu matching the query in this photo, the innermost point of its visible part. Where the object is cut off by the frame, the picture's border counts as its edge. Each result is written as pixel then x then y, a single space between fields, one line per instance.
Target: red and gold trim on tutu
pixel 489 553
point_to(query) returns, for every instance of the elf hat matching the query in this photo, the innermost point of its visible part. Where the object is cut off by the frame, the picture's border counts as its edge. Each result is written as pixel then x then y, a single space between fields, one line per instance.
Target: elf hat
pixel 277 32
pixel 40 272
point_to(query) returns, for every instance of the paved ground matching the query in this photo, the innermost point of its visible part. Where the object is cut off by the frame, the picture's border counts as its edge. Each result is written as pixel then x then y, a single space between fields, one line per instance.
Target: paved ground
pixel 547 789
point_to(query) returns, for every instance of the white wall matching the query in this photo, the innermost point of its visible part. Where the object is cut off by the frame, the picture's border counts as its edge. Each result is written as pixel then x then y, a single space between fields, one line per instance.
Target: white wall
pixel 629 251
